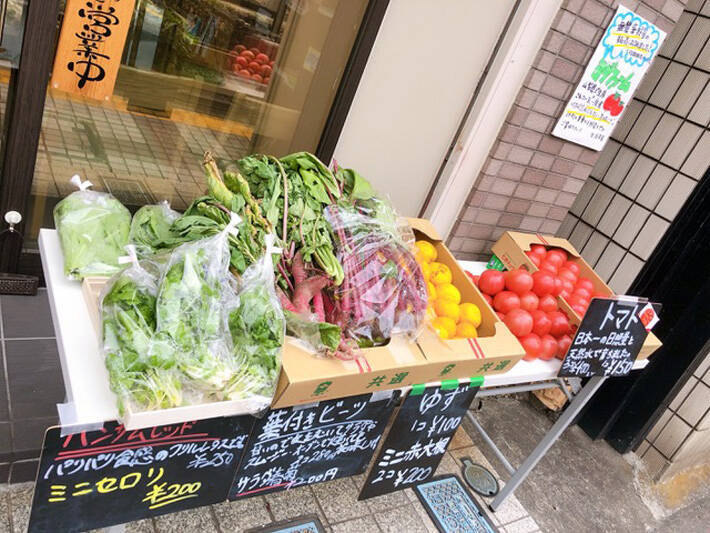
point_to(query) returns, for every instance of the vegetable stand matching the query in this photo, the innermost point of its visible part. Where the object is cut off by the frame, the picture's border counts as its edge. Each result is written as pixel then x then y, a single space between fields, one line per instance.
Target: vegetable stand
pixel 90 403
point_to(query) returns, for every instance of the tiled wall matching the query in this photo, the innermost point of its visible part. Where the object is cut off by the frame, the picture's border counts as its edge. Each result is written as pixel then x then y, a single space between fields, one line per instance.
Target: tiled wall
pixel 530 178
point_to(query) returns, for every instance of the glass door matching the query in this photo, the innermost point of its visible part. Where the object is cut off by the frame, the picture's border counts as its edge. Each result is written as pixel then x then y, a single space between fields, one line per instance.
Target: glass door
pixel 230 76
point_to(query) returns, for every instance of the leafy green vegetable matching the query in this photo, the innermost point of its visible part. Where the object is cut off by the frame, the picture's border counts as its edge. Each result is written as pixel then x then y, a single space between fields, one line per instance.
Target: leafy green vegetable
pixel 151 228
pixel 93 230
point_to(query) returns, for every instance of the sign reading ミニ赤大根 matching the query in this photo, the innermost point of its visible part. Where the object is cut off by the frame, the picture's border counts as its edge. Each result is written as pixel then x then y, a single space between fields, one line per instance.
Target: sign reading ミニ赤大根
pixel 616 68
pixel 91 46
pixel 112 476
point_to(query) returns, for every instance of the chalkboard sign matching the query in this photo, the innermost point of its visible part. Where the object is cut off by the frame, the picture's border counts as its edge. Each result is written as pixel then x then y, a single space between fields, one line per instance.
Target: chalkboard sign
pixel 609 338
pixel 299 446
pixel 419 436
pixel 112 476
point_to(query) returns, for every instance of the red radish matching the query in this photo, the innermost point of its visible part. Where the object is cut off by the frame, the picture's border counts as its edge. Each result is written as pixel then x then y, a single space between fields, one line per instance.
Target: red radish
pixel 506 301
pixel 532 346
pixel 547 303
pixel 541 322
pixel 529 301
pixel 262 58
pixel 543 283
pixel 519 322
pixel 548 348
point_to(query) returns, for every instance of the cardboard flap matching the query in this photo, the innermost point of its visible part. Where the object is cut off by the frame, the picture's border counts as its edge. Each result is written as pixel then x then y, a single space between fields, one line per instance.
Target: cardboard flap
pixel 525 240
pixel 424 226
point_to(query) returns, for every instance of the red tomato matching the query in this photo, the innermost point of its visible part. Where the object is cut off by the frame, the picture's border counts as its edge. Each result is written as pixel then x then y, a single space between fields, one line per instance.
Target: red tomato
pixel 266 80
pixel 582 292
pixel 549 347
pixel 254 67
pixel 519 281
pixel 548 303
pixel 548 267
pixel 571 265
pixel 567 286
pixel 560 324
pixel 491 281
pixel 532 346
pixel 529 301
pixel 262 58
pixel 257 78
pixel 244 73
pixel 487 298
pixel 506 301
pixel 519 322
pixel 557 257
pixel 239 48
pixel 265 71
pixel 576 299
pixel 558 287
pixel 563 344
pixel 533 257
pixel 271 64
pixel 248 54
pixel 539 249
pixel 543 283
pixel 254 50
pixel 565 273
pixel 585 283
pixel 541 322
pixel 242 62
pixel 579 309
pixel 500 315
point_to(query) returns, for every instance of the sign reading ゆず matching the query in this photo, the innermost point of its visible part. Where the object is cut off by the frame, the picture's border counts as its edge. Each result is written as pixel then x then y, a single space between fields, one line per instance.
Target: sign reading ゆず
pixel 91 46
pixel 619 63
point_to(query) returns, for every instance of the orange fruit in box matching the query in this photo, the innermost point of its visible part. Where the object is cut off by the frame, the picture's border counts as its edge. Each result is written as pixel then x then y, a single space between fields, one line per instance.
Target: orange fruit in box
pixel 445 308
pixel 426 252
pixel 431 290
pixel 440 274
pixel 426 270
pixel 466 330
pixel 449 293
pixel 470 313
pixel 445 327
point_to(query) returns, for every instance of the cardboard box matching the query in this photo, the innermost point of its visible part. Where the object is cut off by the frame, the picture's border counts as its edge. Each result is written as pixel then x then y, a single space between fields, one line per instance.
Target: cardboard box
pixel 511 248
pixel 91 290
pixel 496 350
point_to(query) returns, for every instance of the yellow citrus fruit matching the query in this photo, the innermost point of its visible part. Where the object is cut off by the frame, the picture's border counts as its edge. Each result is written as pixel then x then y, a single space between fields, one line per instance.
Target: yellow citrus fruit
pixel 444 326
pixel 425 251
pixel 466 330
pixel 426 270
pixel 440 273
pixel 448 292
pixel 431 290
pixel 444 308
pixel 471 313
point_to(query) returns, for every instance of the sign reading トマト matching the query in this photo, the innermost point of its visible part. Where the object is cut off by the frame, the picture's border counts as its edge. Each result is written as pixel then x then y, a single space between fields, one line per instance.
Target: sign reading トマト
pixel 609 338
pixel 419 436
pixel 91 46
pixel 112 476
pixel 305 445
pixel 616 68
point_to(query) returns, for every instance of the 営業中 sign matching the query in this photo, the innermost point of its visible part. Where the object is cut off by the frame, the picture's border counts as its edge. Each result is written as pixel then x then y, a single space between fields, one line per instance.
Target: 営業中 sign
pixel 298 446
pixel 609 338
pixel 616 68
pixel 112 476
pixel 419 436
pixel 91 46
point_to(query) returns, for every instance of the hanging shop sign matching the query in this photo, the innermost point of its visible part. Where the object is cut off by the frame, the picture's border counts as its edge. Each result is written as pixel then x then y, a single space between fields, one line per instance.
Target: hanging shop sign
pixel 306 445
pixel 112 476
pixel 610 337
pixel 419 436
pixel 91 46
pixel 620 61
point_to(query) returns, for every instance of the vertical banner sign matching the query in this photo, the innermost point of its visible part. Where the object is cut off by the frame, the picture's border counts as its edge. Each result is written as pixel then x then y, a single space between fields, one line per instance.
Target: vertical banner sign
pixel 90 46
pixel 619 63
pixel 299 446
pixel 609 338
pixel 419 436
pixel 112 476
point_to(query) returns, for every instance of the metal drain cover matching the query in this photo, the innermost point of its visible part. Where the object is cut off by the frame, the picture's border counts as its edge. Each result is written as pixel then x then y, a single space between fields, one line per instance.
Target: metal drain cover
pixel 479 478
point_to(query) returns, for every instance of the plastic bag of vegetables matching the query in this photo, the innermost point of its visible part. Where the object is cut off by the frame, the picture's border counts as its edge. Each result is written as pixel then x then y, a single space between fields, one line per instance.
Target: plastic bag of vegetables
pixel 93 230
pixel 151 228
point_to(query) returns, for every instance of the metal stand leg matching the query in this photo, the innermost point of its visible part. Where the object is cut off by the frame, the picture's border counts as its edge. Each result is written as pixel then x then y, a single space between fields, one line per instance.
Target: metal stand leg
pixel 491 444
pixel 550 438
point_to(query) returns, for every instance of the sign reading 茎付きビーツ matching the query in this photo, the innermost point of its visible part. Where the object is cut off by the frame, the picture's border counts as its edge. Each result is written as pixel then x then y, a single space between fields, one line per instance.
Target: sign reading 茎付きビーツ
pixel 615 70
pixel 90 46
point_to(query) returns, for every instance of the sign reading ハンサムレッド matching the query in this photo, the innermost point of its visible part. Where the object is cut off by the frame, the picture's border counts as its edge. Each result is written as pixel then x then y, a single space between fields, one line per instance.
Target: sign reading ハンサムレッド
pixel 617 66
pixel 112 476
pixel 419 436
pixel 305 445
pixel 609 338
pixel 90 46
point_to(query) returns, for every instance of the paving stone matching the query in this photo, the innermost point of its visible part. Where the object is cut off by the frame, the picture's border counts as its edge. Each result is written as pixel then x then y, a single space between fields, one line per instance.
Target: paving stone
pixel 4 510
pixel 366 524
pixel 242 514
pixel 424 517
pixel 403 519
pixel 387 501
pixel 20 505
pixel 289 504
pixel 198 520
pixel 526 525
pixel 338 499
pixel 140 526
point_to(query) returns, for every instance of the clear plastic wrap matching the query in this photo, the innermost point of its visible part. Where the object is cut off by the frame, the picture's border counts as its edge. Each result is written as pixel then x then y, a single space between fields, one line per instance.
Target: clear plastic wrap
pixel 93 230
pixel 151 228
pixel 384 292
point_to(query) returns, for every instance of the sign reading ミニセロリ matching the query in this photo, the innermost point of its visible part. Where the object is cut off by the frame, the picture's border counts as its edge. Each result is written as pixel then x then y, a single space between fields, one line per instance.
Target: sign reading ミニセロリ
pixel 90 46
pixel 112 476
pixel 616 68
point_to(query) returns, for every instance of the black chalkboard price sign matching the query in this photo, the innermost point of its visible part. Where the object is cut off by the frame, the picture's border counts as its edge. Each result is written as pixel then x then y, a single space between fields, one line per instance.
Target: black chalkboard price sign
pixel 419 436
pixel 305 445
pixel 609 338
pixel 112 476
